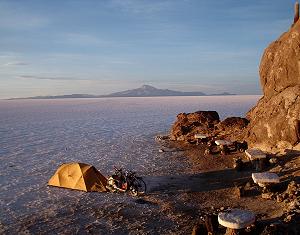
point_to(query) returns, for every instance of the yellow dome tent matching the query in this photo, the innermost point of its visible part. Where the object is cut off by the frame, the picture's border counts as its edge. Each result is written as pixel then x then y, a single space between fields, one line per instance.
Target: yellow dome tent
pixel 79 176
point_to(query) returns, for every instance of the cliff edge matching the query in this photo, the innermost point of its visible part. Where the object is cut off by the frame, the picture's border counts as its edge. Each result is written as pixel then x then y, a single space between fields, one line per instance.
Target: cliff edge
pixel 275 120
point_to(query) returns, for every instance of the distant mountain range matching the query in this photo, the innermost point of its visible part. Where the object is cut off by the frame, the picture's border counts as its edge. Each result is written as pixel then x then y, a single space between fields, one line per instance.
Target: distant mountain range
pixel 147 91
pixel 143 91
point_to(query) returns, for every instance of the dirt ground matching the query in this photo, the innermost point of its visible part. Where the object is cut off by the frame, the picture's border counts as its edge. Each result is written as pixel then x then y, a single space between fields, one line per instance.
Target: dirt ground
pixel 211 185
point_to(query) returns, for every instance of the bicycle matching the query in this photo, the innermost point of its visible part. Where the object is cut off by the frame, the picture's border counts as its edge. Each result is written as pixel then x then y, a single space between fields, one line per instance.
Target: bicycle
pixel 126 181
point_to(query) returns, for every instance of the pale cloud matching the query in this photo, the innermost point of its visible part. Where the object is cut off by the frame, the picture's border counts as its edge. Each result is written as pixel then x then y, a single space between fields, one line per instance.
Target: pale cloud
pixel 16 63
pixel 48 77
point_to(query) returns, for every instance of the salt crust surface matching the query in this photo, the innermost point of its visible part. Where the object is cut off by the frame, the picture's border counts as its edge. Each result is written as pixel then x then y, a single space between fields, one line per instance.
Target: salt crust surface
pixel 36 136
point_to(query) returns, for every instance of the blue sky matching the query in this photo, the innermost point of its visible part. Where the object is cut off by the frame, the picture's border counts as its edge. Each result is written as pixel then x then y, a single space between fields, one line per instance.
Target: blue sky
pixel 98 47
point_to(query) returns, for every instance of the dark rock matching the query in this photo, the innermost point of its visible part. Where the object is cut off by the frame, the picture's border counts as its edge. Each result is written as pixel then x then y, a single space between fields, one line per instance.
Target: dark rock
pixel 239 191
pixel 189 124
pixel 199 229
pixel 274 229
pixel 233 123
pixel 208 123
pixel 238 164
pixel 232 128
pixel 211 223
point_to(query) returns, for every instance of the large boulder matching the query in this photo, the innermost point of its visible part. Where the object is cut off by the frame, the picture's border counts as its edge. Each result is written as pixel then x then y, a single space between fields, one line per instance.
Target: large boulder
pixel 189 124
pixel 232 128
pixel 233 122
pixel 275 120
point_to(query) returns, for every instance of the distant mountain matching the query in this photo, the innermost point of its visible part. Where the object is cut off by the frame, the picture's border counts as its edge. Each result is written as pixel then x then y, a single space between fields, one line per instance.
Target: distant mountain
pixel 220 94
pixel 61 96
pixel 143 91
pixel 148 91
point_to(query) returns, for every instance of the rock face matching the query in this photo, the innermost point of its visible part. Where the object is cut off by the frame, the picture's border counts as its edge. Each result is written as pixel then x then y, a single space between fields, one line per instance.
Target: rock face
pixel 189 124
pixel 275 120
pixel 207 123
pixel 232 128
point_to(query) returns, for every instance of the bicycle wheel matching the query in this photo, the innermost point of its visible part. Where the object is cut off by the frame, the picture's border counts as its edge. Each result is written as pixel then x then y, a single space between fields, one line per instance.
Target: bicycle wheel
pixel 139 187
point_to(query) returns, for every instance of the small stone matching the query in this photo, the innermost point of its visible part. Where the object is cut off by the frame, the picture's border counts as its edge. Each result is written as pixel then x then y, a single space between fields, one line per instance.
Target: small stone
pixel 250 229
pixel 248 185
pixel 285 196
pixel 238 164
pixel 288 218
pixel 239 191
pixel 294 205
pixel 286 200
pixel 199 229
pixel 161 150
pixel 273 160
pixel 267 196
pixel 292 188
pixel 273 228
pixel 279 198
pixel 277 169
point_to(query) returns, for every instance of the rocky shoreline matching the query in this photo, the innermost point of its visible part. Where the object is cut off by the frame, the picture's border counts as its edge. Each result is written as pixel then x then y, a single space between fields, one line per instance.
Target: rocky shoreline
pixel 272 127
pixel 214 186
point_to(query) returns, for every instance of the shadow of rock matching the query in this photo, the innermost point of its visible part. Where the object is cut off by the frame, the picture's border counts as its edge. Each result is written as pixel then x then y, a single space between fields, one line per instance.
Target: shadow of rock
pixel 202 182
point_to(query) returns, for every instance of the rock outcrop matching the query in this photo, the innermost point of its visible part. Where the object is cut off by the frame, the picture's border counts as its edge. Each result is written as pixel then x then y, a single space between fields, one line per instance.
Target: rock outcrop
pixel 207 123
pixel 189 124
pixel 274 123
pixel 275 120
pixel 232 128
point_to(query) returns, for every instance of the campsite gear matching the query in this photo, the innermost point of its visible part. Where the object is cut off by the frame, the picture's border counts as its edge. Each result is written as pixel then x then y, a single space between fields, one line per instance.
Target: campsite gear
pixel 126 181
pixel 200 138
pixel 225 147
pixel 223 142
pixel 236 219
pixel 79 176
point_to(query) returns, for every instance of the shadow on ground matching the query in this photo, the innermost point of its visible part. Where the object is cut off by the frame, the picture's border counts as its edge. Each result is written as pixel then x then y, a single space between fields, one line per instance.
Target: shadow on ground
pixel 202 182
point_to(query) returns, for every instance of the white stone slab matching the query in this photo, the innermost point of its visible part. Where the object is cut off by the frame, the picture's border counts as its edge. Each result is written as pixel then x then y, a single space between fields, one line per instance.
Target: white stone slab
pixel 254 154
pixel 236 218
pixel 200 136
pixel 223 142
pixel 265 178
